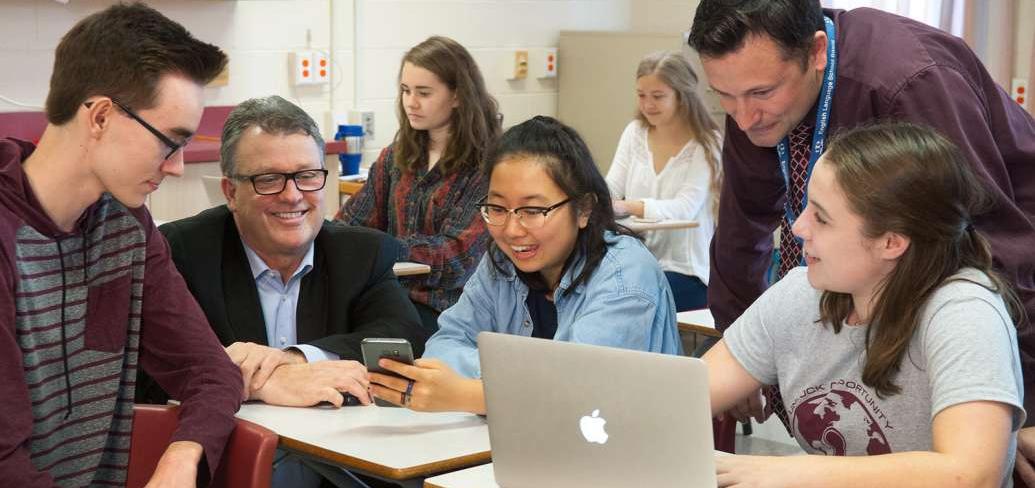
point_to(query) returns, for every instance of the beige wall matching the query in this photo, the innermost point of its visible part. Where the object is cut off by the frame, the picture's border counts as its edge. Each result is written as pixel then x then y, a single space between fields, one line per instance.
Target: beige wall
pixel 663 16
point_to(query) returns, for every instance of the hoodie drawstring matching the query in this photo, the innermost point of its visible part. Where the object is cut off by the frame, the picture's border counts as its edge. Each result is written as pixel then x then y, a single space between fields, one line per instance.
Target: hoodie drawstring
pixel 64 335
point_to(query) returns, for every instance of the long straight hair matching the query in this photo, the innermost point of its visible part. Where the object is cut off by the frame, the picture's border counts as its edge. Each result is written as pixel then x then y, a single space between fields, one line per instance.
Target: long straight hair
pixel 474 126
pixel 674 70
pixel 568 162
pixel 909 180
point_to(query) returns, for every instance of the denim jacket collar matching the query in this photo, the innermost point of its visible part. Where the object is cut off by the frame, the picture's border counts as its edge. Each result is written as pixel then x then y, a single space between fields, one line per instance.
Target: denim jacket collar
pixel 570 273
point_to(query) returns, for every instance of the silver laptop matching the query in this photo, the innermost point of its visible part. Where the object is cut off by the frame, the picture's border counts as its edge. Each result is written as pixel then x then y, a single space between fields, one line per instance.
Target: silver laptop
pixel 572 415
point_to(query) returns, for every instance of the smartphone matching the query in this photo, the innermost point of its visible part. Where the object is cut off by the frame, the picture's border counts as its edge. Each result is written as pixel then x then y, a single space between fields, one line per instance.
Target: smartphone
pixel 375 348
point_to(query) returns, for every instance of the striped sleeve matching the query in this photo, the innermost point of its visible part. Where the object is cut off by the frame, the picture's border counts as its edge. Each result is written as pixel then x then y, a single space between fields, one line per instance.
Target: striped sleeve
pixel 179 350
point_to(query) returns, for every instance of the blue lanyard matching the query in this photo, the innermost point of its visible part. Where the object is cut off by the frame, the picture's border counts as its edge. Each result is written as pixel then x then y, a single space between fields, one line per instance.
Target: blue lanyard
pixel 826 96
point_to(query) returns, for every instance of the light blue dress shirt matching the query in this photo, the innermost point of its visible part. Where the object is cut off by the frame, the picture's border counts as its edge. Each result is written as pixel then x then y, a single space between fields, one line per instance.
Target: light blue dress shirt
pixel 279 303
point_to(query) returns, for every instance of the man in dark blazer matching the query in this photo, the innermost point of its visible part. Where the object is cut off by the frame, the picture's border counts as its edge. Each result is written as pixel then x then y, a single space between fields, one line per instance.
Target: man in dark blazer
pixel 289 295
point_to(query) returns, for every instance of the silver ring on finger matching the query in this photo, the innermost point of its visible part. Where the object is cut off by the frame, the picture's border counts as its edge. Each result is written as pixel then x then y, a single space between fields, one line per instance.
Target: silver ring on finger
pixel 409 388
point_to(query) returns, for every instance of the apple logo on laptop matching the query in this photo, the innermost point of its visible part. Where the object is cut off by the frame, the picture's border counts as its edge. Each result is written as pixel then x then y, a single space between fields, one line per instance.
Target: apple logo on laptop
pixel 592 427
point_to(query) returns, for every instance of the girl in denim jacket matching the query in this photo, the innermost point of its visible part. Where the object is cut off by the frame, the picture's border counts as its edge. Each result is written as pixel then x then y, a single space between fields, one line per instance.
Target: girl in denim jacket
pixel 559 268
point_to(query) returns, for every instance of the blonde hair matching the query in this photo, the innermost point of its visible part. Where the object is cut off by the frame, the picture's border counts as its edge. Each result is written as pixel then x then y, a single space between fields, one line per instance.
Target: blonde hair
pixel 673 69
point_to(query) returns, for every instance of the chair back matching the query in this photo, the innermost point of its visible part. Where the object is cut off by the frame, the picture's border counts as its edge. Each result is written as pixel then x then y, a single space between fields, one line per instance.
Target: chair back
pixel 247 461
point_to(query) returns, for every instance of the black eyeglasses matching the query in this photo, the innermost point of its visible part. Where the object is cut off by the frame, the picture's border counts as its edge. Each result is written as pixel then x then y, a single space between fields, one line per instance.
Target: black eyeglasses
pixel 528 217
pixel 172 145
pixel 274 183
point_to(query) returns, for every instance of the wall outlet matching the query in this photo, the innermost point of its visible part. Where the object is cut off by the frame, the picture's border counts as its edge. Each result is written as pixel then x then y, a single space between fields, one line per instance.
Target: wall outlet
pixel 302 68
pixel 321 68
pixel 1019 91
pixel 544 63
pixel 364 118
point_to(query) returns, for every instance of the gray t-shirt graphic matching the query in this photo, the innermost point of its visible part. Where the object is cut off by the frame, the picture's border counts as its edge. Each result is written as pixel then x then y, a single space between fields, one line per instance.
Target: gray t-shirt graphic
pixel 965 349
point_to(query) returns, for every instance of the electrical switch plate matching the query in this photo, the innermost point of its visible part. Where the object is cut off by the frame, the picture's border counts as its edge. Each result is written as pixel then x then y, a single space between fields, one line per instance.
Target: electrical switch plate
pixel 518 66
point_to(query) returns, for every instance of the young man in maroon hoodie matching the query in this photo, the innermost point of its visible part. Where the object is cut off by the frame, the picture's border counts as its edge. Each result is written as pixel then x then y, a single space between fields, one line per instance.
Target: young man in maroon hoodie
pixel 88 292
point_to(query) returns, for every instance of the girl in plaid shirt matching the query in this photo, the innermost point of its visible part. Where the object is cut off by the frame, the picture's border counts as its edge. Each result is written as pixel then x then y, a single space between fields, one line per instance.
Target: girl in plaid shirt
pixel 424 186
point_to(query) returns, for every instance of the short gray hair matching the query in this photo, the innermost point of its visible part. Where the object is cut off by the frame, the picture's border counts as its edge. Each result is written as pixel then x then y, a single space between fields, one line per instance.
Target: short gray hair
pixel 274 115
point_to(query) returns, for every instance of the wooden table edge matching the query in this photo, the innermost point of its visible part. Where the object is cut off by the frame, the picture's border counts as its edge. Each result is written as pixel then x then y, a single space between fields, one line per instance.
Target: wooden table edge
pixel 398 474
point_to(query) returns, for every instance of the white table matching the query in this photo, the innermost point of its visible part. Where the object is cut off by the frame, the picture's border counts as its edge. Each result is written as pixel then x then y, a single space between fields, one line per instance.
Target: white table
pixel 637 226
pixel 392 443
pixel 698 321
pixel 476 477
pixel 406 268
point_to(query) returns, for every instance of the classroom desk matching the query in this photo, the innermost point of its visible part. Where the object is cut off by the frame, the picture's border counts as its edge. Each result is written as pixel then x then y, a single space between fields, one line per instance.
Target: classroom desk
pixel 666 224
pixel 397 444
pixel 406 268
pixel 698 322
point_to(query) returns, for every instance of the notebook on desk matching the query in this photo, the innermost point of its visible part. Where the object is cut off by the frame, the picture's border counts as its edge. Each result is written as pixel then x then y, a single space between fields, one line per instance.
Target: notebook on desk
pixel 574 415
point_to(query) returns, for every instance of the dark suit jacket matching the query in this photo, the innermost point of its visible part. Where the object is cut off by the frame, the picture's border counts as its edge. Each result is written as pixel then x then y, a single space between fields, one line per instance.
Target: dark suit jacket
pixel 350 294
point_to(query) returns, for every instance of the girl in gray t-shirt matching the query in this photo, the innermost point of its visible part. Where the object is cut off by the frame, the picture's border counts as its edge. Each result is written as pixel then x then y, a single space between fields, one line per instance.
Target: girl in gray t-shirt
pixel 897 338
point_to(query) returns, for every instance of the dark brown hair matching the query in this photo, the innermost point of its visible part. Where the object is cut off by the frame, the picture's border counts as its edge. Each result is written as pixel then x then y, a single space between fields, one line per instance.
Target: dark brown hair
pixel 473 124
pixel 720 27
pixel 909 180
pixel 122 52
pixel 674 70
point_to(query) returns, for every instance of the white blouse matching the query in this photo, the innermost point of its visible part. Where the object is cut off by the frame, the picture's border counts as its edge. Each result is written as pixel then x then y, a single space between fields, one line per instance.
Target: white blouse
pixel 681 191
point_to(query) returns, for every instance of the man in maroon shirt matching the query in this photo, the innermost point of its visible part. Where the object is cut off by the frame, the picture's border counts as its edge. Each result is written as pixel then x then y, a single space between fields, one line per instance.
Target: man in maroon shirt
pixel 781 82
pixel 88 290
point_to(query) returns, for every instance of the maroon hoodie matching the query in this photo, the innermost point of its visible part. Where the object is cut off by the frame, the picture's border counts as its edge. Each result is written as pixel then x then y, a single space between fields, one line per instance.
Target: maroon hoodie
pixel 80 311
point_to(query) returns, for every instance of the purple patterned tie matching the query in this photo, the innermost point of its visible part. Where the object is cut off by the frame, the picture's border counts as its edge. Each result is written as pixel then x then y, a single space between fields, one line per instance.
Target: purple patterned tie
pixel 790 249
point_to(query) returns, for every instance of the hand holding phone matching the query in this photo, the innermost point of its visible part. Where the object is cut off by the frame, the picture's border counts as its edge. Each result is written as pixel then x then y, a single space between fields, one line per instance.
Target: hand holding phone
pixel 375 348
